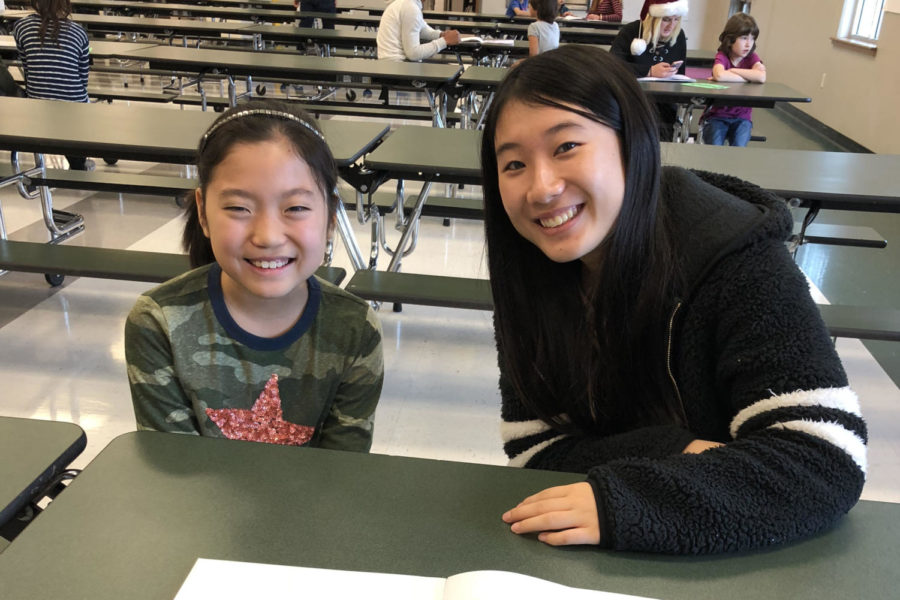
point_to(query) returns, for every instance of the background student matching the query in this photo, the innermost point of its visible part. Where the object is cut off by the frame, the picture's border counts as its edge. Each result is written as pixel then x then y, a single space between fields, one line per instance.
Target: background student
pixel 655 46
pixel 404 35
pixel 652 331
pixel 54 53
pixel 605 10
pixel 201 348
pixel 517 8
pixel 735 61
pixel 321 6
pixel 543 33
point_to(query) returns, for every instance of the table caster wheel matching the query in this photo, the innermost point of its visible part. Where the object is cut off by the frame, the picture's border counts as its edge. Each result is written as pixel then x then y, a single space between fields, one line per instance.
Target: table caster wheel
pixel 54 279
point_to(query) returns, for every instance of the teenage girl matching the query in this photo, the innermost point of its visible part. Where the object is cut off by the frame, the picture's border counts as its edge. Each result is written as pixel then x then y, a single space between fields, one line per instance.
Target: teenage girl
pixel 201 348
pixel 655 46
pixel 735 61
pixel 54 53
pixel 652 331
pixel 543 34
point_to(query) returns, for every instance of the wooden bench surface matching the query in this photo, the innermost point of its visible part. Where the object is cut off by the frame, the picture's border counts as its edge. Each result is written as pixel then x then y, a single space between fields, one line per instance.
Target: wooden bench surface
pixel 428 290
pixel 860 322
pixel 105 181
pixel 435 206
pixel 107 263
pixel 841 235
pixel 361 109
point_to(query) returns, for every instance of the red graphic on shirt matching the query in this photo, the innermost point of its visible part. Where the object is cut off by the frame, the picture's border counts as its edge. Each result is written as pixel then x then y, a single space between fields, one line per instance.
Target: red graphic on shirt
pixel 263 422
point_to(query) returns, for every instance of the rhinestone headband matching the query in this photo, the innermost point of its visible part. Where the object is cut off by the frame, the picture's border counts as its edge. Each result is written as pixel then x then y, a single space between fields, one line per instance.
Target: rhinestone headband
pixel 278 114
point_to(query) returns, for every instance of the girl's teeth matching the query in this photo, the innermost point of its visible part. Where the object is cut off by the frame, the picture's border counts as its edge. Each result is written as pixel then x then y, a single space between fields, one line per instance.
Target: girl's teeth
pixel 559 219
pixel 269 264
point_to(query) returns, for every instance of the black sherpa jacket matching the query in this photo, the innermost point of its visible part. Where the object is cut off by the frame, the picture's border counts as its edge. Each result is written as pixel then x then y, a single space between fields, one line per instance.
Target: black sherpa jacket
pixel 754 368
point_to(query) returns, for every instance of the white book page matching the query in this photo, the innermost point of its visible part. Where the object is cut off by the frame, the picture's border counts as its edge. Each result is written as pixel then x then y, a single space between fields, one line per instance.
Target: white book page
pixel 675 77
pixel 489 42
pixel 231 580
pixel 490 585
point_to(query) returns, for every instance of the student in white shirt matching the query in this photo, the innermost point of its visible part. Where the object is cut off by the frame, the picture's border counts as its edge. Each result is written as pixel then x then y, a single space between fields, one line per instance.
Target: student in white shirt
pixel 404 35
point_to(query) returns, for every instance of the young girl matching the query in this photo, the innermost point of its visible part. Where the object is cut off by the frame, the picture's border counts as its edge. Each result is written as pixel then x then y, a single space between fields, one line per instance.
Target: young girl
pixel 54 55
pixel 250 344
pixel 543 34
pixel 655 46
pixel 652 331
pixel 736 60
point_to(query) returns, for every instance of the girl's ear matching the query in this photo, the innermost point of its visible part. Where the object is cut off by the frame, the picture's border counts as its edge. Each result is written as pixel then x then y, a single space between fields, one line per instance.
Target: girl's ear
pixel 201 211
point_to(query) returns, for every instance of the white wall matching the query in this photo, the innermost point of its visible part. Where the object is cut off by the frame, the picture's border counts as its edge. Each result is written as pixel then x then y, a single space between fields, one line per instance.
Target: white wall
pixel 853 92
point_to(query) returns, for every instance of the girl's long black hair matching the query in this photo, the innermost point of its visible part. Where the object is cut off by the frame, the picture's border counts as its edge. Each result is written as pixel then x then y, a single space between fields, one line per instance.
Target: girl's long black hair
pixel 586 351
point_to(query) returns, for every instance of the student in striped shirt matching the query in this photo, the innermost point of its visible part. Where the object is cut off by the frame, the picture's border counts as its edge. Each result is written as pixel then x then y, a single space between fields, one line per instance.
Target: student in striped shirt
pixel 54 55
pixel 605 10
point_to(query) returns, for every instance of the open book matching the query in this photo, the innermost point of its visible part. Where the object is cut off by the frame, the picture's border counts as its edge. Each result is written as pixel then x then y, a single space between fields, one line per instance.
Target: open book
pixel 474 39
pixel 675 77
pixel 224 580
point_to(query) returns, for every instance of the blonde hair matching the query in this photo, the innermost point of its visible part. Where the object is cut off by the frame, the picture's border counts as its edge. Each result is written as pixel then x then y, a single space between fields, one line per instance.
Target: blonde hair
pixel 650 30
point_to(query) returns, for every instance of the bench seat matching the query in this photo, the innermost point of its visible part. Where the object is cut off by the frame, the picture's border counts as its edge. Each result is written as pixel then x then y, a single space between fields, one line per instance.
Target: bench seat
pixel 841 235
pixel 109 94
pixel 104 181
pixel 427 290
pixel 435 206
pixel 860 322
pixel 128 94
pixel 107 263
pixel 361 109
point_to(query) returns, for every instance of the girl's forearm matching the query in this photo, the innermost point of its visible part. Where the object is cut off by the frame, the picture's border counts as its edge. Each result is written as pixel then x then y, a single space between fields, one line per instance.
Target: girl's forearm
pixel 728 75
pixel 751 75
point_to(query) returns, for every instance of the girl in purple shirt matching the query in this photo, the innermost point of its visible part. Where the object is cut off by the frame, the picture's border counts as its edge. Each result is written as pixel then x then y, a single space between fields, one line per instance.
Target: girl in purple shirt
pixel 736 61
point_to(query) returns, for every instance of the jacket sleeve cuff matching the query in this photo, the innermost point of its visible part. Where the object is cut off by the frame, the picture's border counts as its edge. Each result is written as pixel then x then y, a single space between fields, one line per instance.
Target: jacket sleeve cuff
pixel 602 520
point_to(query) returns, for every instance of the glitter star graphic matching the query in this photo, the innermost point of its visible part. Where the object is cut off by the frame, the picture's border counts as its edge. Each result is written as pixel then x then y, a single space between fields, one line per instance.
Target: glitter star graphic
pixel 263 422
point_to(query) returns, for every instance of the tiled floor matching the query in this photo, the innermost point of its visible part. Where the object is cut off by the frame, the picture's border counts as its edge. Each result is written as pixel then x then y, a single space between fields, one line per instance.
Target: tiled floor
pixel 61 351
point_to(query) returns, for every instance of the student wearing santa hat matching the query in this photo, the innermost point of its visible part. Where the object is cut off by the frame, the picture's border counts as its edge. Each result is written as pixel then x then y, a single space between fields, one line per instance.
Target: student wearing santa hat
pixel 655 46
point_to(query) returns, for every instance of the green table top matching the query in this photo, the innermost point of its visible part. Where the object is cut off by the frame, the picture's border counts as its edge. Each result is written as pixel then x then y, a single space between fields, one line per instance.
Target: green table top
pixel 142 133
pixel 429 154
pixel 133 523
pixel 265 64
pixel 33 452
pixel 742 94
pixel 240 13
pixel 838 180
pixel 161 26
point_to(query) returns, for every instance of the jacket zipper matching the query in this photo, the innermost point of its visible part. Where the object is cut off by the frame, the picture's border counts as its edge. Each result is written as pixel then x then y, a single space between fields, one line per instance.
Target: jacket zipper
pixel 669 360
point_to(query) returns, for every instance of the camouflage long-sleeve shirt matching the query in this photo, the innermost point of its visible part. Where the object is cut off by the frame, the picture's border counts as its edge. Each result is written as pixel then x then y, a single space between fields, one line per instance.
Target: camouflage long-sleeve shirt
pixel 186 354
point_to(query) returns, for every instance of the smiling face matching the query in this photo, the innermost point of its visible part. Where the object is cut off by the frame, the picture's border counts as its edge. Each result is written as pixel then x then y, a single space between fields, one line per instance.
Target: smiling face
pixel 267 221
pixel 742 46
pixel 667 26
pixel 561 179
